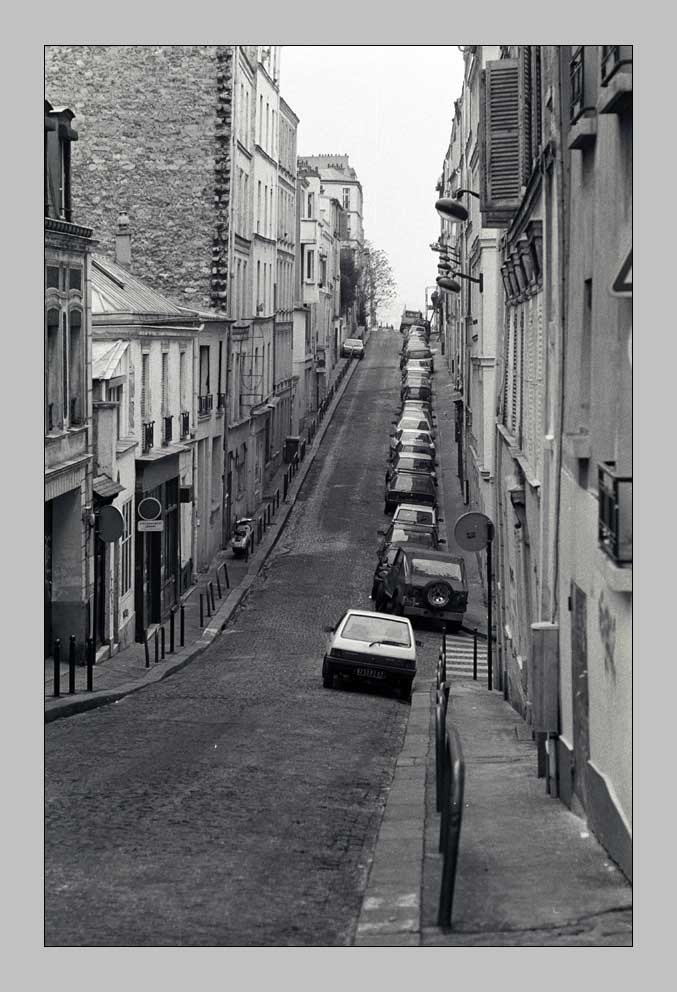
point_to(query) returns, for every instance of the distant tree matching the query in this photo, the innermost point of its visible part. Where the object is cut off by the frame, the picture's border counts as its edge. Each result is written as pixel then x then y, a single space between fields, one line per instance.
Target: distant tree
pixel 380 286
pixel 349 279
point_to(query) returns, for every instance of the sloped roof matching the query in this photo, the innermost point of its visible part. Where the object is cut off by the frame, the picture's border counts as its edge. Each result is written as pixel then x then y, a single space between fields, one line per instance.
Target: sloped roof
pixel 106 357
pixel 117 291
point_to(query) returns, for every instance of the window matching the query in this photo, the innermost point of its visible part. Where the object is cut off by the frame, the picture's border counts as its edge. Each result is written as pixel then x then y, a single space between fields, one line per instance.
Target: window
pixel 310 267
pixel 204 369
pixel 258 284
pixel 64 367
pixel 258 209
pixel 182 379
pixel 165 382
pixel 145 387
pixel 265 210
pixel 217 450
pixel 53 417
pixel 311 205
pixel 115 396
pixel 52 279
pixel 126 552
pixel 76 405
pixel 346 197
pixel 75 279
pixel 501 115
pixel 260 119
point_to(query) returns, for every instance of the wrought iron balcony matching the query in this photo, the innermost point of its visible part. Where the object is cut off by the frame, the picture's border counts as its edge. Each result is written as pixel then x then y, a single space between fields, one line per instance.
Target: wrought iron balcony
pixel 205 404
pixel 615 513
pixel 185 423
pixel 147 432
pixel 167 430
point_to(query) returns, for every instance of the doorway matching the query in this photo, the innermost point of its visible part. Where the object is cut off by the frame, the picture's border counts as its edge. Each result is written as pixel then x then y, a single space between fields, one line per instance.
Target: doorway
pixel 581 710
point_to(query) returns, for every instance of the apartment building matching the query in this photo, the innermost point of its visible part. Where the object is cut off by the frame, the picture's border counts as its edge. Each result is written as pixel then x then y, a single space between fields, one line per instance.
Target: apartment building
pixel 541 156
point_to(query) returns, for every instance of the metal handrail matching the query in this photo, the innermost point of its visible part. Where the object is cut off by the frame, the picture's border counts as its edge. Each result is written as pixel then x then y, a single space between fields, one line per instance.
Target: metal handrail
pixel 453 789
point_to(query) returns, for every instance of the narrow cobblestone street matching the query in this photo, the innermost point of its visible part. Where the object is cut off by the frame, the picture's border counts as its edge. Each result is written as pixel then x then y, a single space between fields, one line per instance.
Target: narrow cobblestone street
pixel 238 801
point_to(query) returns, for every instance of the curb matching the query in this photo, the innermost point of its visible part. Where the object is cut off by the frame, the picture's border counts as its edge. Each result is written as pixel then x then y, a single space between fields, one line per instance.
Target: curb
pixel 58 708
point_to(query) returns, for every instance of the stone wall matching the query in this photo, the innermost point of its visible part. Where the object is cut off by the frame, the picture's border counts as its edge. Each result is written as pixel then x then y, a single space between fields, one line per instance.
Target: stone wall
pixel 154 142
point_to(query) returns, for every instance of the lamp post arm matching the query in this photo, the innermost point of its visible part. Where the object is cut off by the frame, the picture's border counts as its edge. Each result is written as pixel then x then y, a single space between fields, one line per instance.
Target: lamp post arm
pixel 470 192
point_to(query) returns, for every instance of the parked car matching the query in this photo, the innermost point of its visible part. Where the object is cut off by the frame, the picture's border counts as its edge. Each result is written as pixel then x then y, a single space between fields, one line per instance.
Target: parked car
pixel 242 540
pixel 416 379
pixel 352 347
pixel 430 584
pixel 416 393
pixel 406 462
pixel 371 646
pixel 411 436
pixel 418 516
pixel 418 353
pixel 407 534
pixel 418 409
pixel 417 365
pixel 410 446
pixel 412 422
pixel 409 487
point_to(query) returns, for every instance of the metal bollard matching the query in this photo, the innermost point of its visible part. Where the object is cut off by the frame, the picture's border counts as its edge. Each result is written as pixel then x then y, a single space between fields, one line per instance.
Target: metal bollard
pixel 91 655
pixel 162 643
pixel 71 664
pixel 57 667
pixel 225 575
pixel 145 648
pixel 183 624
pixel 474 654
pixel 444 640
pixel 211 596
pixel 202 614
pixel 285 485
pixel 171 629
pixel 218 583
pixel 209 612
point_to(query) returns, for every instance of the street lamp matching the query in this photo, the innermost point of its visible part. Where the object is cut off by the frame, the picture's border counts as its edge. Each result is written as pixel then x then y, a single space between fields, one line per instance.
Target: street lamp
pixel 470 192
pixel 451 209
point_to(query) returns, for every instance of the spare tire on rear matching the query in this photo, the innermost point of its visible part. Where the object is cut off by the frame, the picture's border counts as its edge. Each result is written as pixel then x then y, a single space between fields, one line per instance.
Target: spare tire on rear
pixel 437 594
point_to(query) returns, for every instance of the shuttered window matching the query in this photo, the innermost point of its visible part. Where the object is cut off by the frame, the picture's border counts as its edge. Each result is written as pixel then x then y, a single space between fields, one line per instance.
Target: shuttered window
pixel 501 124
pixel 165 381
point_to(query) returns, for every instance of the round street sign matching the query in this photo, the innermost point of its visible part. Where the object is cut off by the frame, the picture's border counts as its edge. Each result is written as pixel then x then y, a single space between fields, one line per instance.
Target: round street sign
pixel 111 524
pixel 472 531
pixel 149 508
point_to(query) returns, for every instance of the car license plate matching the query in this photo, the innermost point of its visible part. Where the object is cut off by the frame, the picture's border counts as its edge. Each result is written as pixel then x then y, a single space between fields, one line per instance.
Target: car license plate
pixel 370 673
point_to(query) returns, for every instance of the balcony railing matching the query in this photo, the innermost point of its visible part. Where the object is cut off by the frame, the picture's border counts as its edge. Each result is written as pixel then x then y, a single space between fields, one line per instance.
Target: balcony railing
pixel 147 432
pixel 613 58
pixel 615 514
pixel 167 430
pixel 220 401
pixel 185 423
pixel 205 404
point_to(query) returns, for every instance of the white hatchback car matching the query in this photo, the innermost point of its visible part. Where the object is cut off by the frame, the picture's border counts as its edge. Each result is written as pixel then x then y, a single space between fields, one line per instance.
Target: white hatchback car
pixel 373 646
pixel 410 513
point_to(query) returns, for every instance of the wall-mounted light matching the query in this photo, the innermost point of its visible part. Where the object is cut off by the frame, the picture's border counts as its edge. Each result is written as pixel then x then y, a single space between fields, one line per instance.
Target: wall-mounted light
pixel 451 209
pixel 448 285
pixel 479 280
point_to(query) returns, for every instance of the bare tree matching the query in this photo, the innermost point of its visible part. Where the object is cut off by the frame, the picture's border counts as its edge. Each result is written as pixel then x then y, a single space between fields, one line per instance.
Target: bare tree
pixel 379 286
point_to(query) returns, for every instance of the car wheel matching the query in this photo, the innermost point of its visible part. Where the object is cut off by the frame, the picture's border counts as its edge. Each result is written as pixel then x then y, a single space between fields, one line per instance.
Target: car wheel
pixel 437 594
pixel 327 676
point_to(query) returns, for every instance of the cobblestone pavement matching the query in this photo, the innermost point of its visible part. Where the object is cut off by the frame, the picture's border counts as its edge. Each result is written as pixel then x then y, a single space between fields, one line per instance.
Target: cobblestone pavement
pixel 238 802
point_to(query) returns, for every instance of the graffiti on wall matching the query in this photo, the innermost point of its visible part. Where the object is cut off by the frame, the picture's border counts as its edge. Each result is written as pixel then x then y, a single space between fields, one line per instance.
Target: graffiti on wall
pixel 607 632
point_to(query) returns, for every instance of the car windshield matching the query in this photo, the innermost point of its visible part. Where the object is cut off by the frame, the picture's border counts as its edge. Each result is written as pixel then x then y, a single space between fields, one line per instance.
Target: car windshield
pixel 439 569
pixel 401 536
pixel 352 341
pixel 415 516
pixel 414 436
pixel 377 629
pixel 413 483
pixel 240 532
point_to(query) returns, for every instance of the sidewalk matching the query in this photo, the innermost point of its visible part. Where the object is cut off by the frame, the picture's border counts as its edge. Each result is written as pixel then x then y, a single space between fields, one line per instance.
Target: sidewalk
pixel 529 873
pixel 126 671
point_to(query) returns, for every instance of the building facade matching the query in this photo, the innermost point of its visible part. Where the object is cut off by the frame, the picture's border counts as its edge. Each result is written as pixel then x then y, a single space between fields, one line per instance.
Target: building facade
pixel 68 444
pixel 542 140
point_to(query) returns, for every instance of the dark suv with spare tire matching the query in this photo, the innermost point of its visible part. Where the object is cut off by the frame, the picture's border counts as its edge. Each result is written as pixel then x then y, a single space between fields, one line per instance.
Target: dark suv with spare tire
pixel 422 583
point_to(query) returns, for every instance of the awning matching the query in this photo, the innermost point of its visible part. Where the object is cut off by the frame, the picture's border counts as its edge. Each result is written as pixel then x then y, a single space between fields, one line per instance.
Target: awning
pixel 105 487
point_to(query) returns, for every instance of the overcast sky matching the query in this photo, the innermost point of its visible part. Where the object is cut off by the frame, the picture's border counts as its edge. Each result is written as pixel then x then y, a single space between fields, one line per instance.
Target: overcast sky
pixel 390 109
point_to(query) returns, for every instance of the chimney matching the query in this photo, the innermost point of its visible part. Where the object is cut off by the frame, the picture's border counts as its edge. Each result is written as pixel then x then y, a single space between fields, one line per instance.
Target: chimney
pixel 123 243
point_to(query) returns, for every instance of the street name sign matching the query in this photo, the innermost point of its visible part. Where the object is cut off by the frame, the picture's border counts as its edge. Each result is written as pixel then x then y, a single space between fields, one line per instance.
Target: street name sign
pixel 154 526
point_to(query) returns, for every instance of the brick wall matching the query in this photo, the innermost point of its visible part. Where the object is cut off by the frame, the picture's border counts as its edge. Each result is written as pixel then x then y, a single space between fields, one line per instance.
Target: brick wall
pixel 154 142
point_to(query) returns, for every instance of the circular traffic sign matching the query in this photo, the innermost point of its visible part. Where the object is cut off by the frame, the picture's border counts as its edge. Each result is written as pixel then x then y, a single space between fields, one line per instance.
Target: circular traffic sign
pixel 149 508
pixel 473 531
pixel 111 524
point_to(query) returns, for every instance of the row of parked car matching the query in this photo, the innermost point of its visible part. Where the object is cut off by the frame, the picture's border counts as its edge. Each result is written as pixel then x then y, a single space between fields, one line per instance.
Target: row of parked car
pixel 413 577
